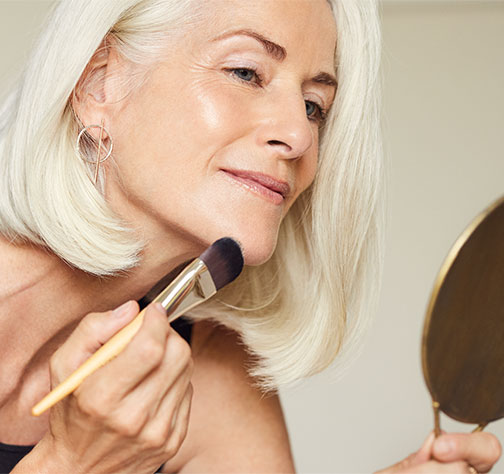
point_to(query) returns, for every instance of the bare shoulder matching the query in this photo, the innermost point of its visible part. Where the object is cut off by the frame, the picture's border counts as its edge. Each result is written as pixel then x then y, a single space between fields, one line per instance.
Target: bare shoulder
pixel 234 426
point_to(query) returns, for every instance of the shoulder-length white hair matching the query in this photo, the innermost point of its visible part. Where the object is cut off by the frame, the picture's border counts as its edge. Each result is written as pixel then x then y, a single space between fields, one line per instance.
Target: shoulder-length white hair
pixel 310 301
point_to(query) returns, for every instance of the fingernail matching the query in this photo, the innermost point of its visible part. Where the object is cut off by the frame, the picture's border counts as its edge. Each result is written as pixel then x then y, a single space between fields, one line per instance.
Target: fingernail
pixel 121 310
pixel 160 308
pixel 444 446
pixel 428 440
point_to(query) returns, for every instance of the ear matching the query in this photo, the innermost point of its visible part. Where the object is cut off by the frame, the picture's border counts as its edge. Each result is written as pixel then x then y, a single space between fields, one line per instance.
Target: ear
pixel 93 98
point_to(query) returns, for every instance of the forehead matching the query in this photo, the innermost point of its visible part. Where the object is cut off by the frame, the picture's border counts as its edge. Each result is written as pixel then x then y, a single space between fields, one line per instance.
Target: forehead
pixel 306 28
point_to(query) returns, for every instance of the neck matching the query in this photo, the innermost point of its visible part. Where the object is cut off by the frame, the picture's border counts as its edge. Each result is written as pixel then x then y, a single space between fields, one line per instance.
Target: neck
pixel 44 298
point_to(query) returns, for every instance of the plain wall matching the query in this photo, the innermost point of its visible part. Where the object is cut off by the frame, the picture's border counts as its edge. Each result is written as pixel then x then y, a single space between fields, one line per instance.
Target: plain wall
pixel 444 122
pixel 444 128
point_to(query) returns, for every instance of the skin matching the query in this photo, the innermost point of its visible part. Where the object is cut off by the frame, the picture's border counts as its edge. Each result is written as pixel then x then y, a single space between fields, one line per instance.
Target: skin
pixel 214 103
pixel 455 453
pixel 216 120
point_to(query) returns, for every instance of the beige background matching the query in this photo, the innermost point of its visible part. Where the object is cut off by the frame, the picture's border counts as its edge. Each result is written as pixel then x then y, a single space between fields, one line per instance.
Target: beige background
pixel 444 102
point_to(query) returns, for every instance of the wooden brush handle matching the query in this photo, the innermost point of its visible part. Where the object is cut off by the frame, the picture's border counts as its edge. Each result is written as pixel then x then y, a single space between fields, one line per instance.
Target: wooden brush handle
pixel 108 351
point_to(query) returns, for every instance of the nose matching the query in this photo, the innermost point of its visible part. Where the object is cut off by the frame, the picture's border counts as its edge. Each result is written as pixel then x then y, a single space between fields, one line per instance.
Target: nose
pixel 285 130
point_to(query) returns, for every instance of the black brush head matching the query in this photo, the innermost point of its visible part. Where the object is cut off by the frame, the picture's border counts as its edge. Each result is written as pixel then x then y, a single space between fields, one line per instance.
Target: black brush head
pixel 224 260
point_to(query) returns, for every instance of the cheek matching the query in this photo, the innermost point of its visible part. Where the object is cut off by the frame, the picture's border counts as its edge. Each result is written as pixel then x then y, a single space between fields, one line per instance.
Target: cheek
pixel 175 130
pixel 307 167
pixel 210 108
pixel 220 114
pixel 198 122
pixel 305 173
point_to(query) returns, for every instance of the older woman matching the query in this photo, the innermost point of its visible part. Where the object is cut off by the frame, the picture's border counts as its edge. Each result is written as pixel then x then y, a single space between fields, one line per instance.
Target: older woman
pixel 192 120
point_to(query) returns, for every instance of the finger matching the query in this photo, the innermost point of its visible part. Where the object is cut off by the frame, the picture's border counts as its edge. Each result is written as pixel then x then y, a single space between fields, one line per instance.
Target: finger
pixel 163 431
pixel 425 452
pixel 423 455
pixel 433 467
pixel 143 354
pixel 92 332
pixel 481 450
pixel 170 404
pixel 162 417
pixel 172 376
pixel 180 424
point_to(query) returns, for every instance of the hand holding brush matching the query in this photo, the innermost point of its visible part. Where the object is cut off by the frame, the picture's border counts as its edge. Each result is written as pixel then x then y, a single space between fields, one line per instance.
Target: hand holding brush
pixel 132 414
pixel 220 264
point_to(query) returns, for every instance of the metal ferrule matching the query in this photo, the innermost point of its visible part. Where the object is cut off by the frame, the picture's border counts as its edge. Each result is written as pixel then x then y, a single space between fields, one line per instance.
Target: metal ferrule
pixel 191 287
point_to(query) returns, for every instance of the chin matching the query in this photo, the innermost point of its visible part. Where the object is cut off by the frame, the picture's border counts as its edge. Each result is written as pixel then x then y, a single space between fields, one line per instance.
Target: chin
pixel 255 258
pixel 256 231
pixel 256 249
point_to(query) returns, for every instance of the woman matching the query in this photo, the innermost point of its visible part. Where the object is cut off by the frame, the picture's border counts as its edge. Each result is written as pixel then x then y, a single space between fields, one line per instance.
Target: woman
pixel 255 120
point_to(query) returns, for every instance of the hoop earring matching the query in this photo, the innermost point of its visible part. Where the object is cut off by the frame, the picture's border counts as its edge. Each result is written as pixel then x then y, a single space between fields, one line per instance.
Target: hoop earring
pixel 98 161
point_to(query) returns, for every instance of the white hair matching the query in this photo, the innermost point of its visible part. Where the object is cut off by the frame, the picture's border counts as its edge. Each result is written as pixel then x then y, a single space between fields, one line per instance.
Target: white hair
pixel 48 198
pixel 306 306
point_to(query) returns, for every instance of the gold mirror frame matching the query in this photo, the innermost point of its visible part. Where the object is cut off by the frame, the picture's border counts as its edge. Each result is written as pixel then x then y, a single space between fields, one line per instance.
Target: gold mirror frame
pixel 463 335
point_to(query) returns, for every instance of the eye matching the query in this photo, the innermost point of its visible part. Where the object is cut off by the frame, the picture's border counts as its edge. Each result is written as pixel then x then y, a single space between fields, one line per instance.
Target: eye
pixel 246 75
pixel 314 111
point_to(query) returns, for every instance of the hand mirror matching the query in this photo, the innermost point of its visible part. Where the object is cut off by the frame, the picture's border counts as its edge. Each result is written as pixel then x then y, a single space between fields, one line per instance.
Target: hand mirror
pixel 463 337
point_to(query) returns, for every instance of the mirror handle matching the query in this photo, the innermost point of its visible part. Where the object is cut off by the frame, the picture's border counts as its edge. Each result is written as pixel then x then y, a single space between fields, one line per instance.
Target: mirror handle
pixel 479 428
pixel 437 425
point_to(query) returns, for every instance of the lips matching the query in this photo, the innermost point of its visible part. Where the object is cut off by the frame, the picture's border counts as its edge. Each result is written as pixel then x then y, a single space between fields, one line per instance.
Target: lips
pixel 261 180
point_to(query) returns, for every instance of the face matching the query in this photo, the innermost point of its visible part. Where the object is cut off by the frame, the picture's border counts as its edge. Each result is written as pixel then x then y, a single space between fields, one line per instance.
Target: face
pixel 223 136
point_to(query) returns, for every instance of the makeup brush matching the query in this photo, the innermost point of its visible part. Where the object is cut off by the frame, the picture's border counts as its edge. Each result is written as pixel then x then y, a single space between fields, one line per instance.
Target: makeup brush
pixel 217 266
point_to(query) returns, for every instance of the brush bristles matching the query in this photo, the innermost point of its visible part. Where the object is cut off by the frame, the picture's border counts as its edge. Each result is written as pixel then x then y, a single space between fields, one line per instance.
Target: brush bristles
pixel 224 261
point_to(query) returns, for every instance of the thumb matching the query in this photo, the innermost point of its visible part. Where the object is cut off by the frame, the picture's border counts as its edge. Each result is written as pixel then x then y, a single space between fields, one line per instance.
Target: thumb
pixel 421 456
pixel 424 454
pixel 93 331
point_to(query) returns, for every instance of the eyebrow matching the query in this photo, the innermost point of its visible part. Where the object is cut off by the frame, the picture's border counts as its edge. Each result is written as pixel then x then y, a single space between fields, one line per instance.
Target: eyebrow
pixel 277 52
pixel 325 78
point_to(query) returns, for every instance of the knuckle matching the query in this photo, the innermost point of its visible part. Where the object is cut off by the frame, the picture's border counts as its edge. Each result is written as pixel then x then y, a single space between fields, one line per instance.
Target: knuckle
pixel 128 430
pixel 89 407
pixel 154 319
pixel 89 324
pixel 177 439
pixel 151 352
pixel 170 451
pixel 179 349
pixel 128 425
pixel 174 443
pixel 124 429
pixel 495 447
pixel 154 439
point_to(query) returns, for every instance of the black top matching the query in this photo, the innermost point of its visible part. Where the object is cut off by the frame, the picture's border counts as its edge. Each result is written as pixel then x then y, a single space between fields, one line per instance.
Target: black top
pixel 10 454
